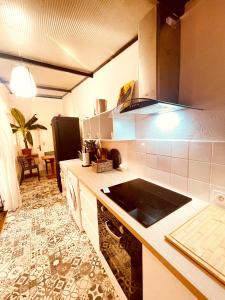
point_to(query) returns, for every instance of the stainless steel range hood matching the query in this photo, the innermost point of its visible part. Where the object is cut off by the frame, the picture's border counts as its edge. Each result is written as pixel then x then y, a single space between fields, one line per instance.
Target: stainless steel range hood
pixel 146 106
pixel 159 64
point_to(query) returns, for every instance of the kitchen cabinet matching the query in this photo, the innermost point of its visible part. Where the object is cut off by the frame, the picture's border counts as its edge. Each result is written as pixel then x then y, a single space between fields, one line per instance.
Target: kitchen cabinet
pixel 63 175
pixel 86 128
pixel 110 125
pixel 95 127
pixel 159 283
pixel 89 215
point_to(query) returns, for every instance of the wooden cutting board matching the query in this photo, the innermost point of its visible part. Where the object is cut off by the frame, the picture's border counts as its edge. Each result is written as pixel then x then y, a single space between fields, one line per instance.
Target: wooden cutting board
pixel 202 238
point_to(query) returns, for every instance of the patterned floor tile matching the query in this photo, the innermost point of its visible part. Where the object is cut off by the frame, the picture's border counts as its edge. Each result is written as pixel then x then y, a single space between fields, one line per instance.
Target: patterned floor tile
pixel 42 253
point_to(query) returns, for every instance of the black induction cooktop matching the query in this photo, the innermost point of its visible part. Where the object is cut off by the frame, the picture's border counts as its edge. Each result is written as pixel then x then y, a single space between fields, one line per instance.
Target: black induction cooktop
pixel 145 201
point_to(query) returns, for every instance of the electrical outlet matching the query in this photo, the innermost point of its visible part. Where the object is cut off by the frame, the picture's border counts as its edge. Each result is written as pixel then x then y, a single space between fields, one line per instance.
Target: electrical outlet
pixel 219 198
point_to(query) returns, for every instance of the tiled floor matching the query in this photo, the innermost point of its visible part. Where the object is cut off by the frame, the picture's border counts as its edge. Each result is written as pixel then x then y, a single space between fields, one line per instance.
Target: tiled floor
pixel 42 253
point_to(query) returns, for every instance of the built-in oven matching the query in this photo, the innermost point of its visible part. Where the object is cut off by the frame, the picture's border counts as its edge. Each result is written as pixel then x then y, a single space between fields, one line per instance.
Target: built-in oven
pixel 122 251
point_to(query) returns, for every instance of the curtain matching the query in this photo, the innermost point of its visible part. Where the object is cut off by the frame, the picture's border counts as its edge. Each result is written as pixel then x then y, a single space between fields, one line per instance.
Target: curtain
pixel 9 187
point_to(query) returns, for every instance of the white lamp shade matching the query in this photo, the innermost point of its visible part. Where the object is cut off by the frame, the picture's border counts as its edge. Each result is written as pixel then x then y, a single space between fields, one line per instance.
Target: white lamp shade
pixel 22 83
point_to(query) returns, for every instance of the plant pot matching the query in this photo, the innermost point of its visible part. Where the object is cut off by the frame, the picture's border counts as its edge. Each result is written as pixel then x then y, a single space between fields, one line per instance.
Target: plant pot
pixel 26 151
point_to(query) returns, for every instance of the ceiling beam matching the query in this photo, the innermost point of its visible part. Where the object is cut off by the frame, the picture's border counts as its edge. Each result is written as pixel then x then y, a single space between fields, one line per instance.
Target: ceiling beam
pixel 51 88
pixel 43 87
pixel 48 96
pixel 45 65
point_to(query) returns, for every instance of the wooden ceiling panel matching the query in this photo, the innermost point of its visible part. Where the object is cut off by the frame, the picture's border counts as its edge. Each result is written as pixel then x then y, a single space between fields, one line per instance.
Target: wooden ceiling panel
pixel 78 34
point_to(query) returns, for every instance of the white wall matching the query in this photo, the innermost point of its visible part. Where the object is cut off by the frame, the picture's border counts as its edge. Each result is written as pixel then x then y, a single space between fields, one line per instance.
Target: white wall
pixel 4 94
pixel 106 84
pixel 45 110
pixel 203 54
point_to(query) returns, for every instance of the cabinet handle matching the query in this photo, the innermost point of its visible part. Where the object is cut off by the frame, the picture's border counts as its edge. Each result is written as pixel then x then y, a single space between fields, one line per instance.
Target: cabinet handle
pixel 113 235
pixel 73 196
pixel 102 208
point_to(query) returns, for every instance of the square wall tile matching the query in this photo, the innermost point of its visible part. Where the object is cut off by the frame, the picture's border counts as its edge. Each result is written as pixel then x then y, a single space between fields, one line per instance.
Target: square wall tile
pixel 179 183
pixel 164 163
pixel 163 178
pixel 199 170
pixel 152 147
pixel 153 174
pixel 131 145
pixel 180 149
pixel 141 158
pixel 201 151
pixel 179 166
pixel 151 161
pixel 164 148
pixel 141 146
pixel 198 189
pixel 218 175
pixel 218 153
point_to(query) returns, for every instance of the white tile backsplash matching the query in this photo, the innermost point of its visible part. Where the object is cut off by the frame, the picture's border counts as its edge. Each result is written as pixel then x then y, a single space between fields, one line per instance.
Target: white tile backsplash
pixel 151 161
pixel 218 175
pixel 180 183
pixel 152 147
pixel 199 189
pixel 188 166
pixel 179 166
pixel 201 151
pixel 180 149
pixel 141 146
pixel 164 163
pixel 164 147
pixel 163 177
pixel 218 153
pixel 199 170
pixel 141 157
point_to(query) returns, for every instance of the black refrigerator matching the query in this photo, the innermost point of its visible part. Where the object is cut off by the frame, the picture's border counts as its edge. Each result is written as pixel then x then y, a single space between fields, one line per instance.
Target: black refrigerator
pixel 66 139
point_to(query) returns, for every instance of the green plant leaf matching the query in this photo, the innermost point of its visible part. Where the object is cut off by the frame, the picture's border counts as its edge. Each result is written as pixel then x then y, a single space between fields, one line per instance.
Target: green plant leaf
pixel 29 138
pixel 31 121
pixel 14 130
pixel 37 126
pixel 13 126
pixel 19 117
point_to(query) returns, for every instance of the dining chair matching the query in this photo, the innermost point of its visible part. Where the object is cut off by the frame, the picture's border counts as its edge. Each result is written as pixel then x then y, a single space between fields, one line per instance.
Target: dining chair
pixel 28 164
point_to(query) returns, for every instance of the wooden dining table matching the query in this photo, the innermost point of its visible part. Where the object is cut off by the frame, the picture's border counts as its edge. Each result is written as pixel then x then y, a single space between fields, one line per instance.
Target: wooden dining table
pixel 50 158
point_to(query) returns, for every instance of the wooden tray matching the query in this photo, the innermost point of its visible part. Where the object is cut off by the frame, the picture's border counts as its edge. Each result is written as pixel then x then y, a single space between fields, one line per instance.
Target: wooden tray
pixel 202 238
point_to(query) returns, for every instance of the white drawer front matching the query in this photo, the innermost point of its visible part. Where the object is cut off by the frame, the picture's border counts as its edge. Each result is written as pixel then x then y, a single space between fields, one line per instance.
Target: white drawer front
pixel 88 194
pixel 91 231
pixel 90 209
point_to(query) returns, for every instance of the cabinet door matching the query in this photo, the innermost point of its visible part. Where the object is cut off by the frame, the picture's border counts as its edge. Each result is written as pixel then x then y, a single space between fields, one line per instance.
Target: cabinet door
pixel 106 125
pixel 89 215
pixel 159 283
pixel 86 129
pixel 95 127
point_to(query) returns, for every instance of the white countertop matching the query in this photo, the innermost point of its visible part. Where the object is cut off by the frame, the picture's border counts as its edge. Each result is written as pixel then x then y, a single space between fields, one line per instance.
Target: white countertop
pixel 152 237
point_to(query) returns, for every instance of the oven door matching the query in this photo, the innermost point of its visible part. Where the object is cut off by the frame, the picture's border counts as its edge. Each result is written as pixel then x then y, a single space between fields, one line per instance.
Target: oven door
pixel 122 251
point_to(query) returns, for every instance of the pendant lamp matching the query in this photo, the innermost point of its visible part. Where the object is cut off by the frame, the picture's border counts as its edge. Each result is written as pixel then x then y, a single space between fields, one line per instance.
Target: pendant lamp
pixel 22 83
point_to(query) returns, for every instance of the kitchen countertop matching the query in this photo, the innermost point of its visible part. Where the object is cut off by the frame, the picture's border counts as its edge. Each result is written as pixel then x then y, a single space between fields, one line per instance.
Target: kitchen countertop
pixel 153 237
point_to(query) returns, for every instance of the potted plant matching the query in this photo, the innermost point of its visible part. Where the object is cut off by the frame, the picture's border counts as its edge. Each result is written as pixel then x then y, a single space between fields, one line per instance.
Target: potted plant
pixel 25 128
